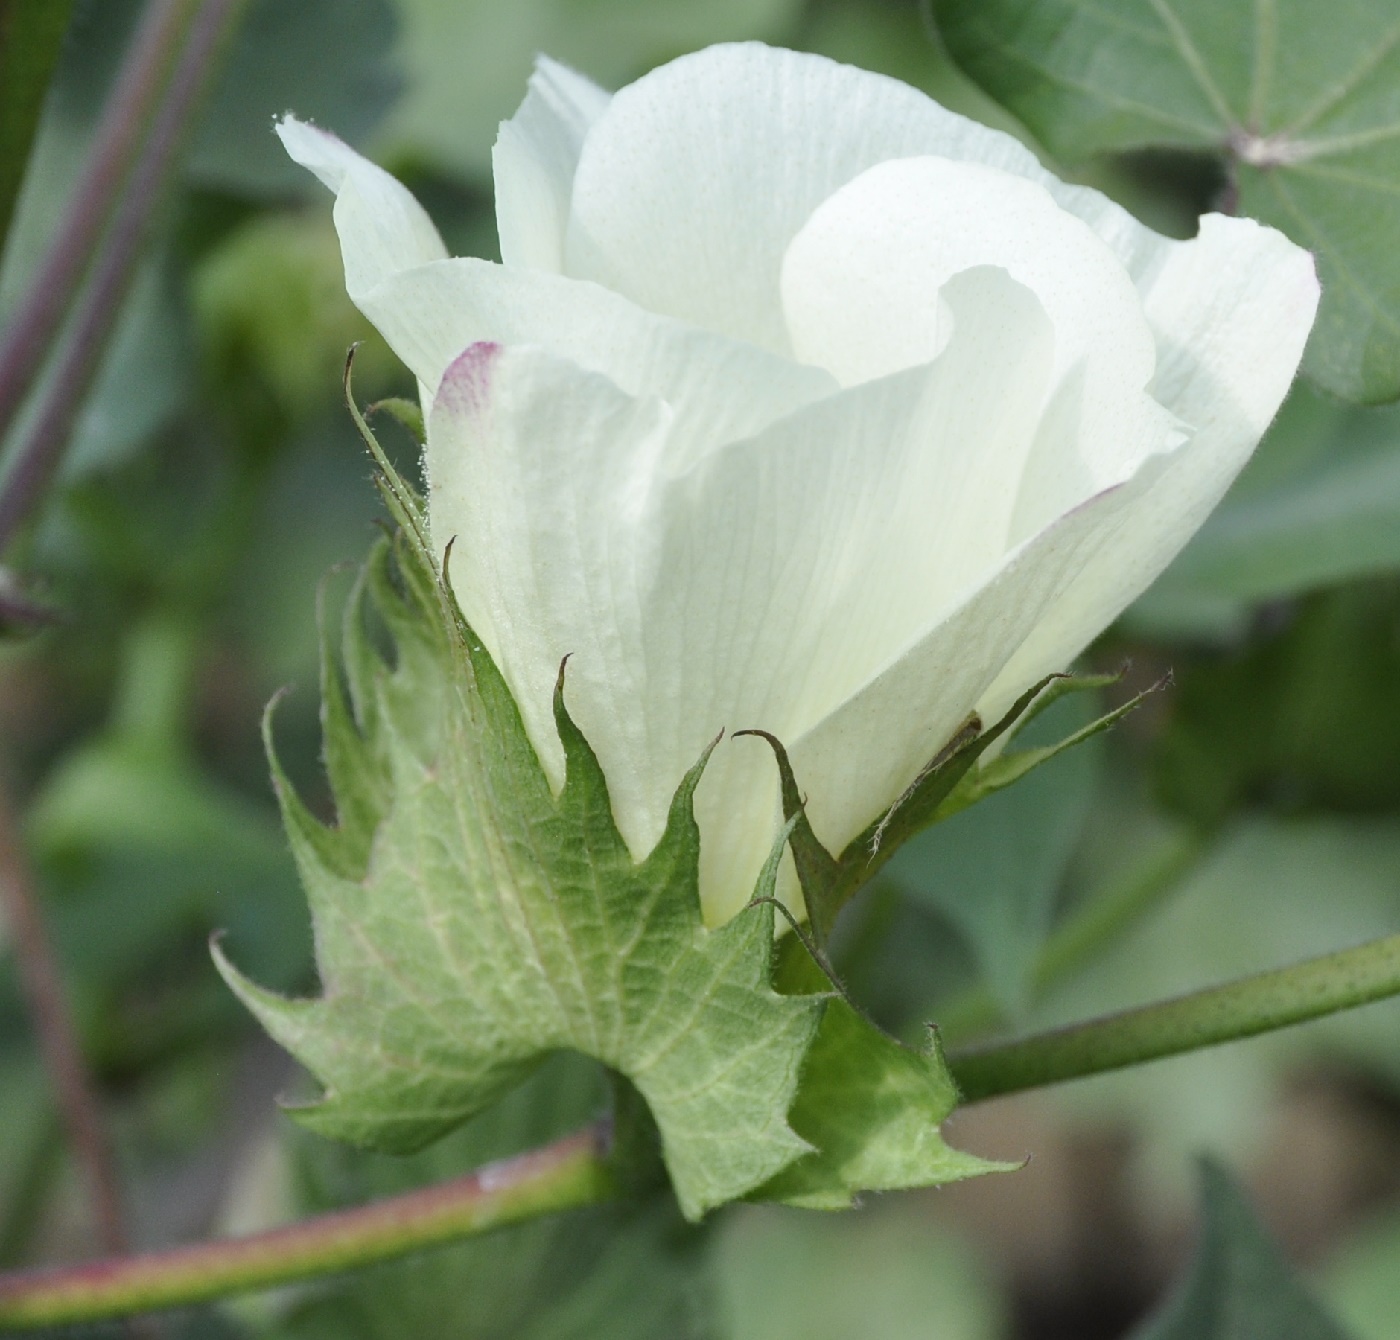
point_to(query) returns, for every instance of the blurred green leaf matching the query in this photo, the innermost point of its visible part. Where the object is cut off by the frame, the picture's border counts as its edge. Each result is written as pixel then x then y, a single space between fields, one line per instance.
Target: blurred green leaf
pixel 274 323
pixel 994 869
pixel 1318 504
pixel 467 61
pixel 1299 718
pixel 145 380
pixel 1239 1286
pixel 631 1273
pixel 896 39
pixel 327 60
pixel 888 1271
pixel 1300 97
pixel 1270 892
pixel 31 37
pixel 1361 1281
pixel 31 1151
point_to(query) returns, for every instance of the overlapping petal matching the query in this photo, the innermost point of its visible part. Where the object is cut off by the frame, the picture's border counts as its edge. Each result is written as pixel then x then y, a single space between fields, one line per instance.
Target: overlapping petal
pixel 720 389
pixel 696 178
pixel 1231 310
pixel 534 160
pixel 785 582
pixel 382 228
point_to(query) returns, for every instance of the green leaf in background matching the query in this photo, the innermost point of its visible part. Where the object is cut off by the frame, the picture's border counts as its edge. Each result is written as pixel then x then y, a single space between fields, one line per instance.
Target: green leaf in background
pixel 1298 718
pixel 1318 504
pixel 994 869
pixel 468 922
pixel 1266 892
pixel 31 37
pixel 1239 1286
pixel 274 323
pixel 1303 99
pixel 467 61
pixel 327 60
pixel 1360 1283
pixel 889 1271
pixel 897 39
pixel 31 1152
pixel 627 1273
pixel 150 349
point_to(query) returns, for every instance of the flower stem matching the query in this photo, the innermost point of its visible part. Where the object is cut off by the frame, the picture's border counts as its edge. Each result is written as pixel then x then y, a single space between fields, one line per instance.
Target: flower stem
pixel 38 455
pixel 1239 1009
pixel 567 1175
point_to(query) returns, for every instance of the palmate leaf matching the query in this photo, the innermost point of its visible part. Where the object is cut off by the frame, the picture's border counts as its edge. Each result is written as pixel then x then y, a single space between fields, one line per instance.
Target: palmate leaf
pixel 1302 100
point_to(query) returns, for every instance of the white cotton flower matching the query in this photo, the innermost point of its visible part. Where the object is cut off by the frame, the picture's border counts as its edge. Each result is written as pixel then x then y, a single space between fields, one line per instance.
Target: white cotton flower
pixel 801 403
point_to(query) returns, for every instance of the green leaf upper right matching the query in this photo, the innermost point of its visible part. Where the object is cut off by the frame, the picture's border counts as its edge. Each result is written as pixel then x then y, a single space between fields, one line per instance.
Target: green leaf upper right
pixel 468 922
pixel 1298 98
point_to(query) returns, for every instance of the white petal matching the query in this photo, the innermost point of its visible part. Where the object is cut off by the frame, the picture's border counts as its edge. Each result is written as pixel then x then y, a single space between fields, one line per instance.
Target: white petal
pixel 762 587
pixel 533 162
pixel 859 760
pixel 720 389
pixel 541 476
pixel 1231 310
pixel 860 280
pixel 861 284
pixel 696 178
pixel 382 228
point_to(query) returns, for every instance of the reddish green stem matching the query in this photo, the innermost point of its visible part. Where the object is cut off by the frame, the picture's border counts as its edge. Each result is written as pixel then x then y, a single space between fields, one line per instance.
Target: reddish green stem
pixel 32 327
pixel 567 1175
pixel 38 455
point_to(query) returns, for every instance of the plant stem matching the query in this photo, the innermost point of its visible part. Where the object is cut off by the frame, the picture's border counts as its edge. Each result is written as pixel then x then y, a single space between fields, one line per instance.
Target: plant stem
pixel 143 75
pixel 1239 1009
pixel 38 455
pixel 567 1175
pixel 57 1038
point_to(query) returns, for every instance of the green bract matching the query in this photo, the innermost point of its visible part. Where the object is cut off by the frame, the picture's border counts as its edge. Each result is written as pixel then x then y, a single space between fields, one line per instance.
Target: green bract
pixel 469 922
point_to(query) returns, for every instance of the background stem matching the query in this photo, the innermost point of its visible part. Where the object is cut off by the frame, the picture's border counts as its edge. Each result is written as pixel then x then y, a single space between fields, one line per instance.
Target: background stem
pixel 31 329
pixel 38 455
pixel 1239 1009
pixel 57 1038
pixel 567 1175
